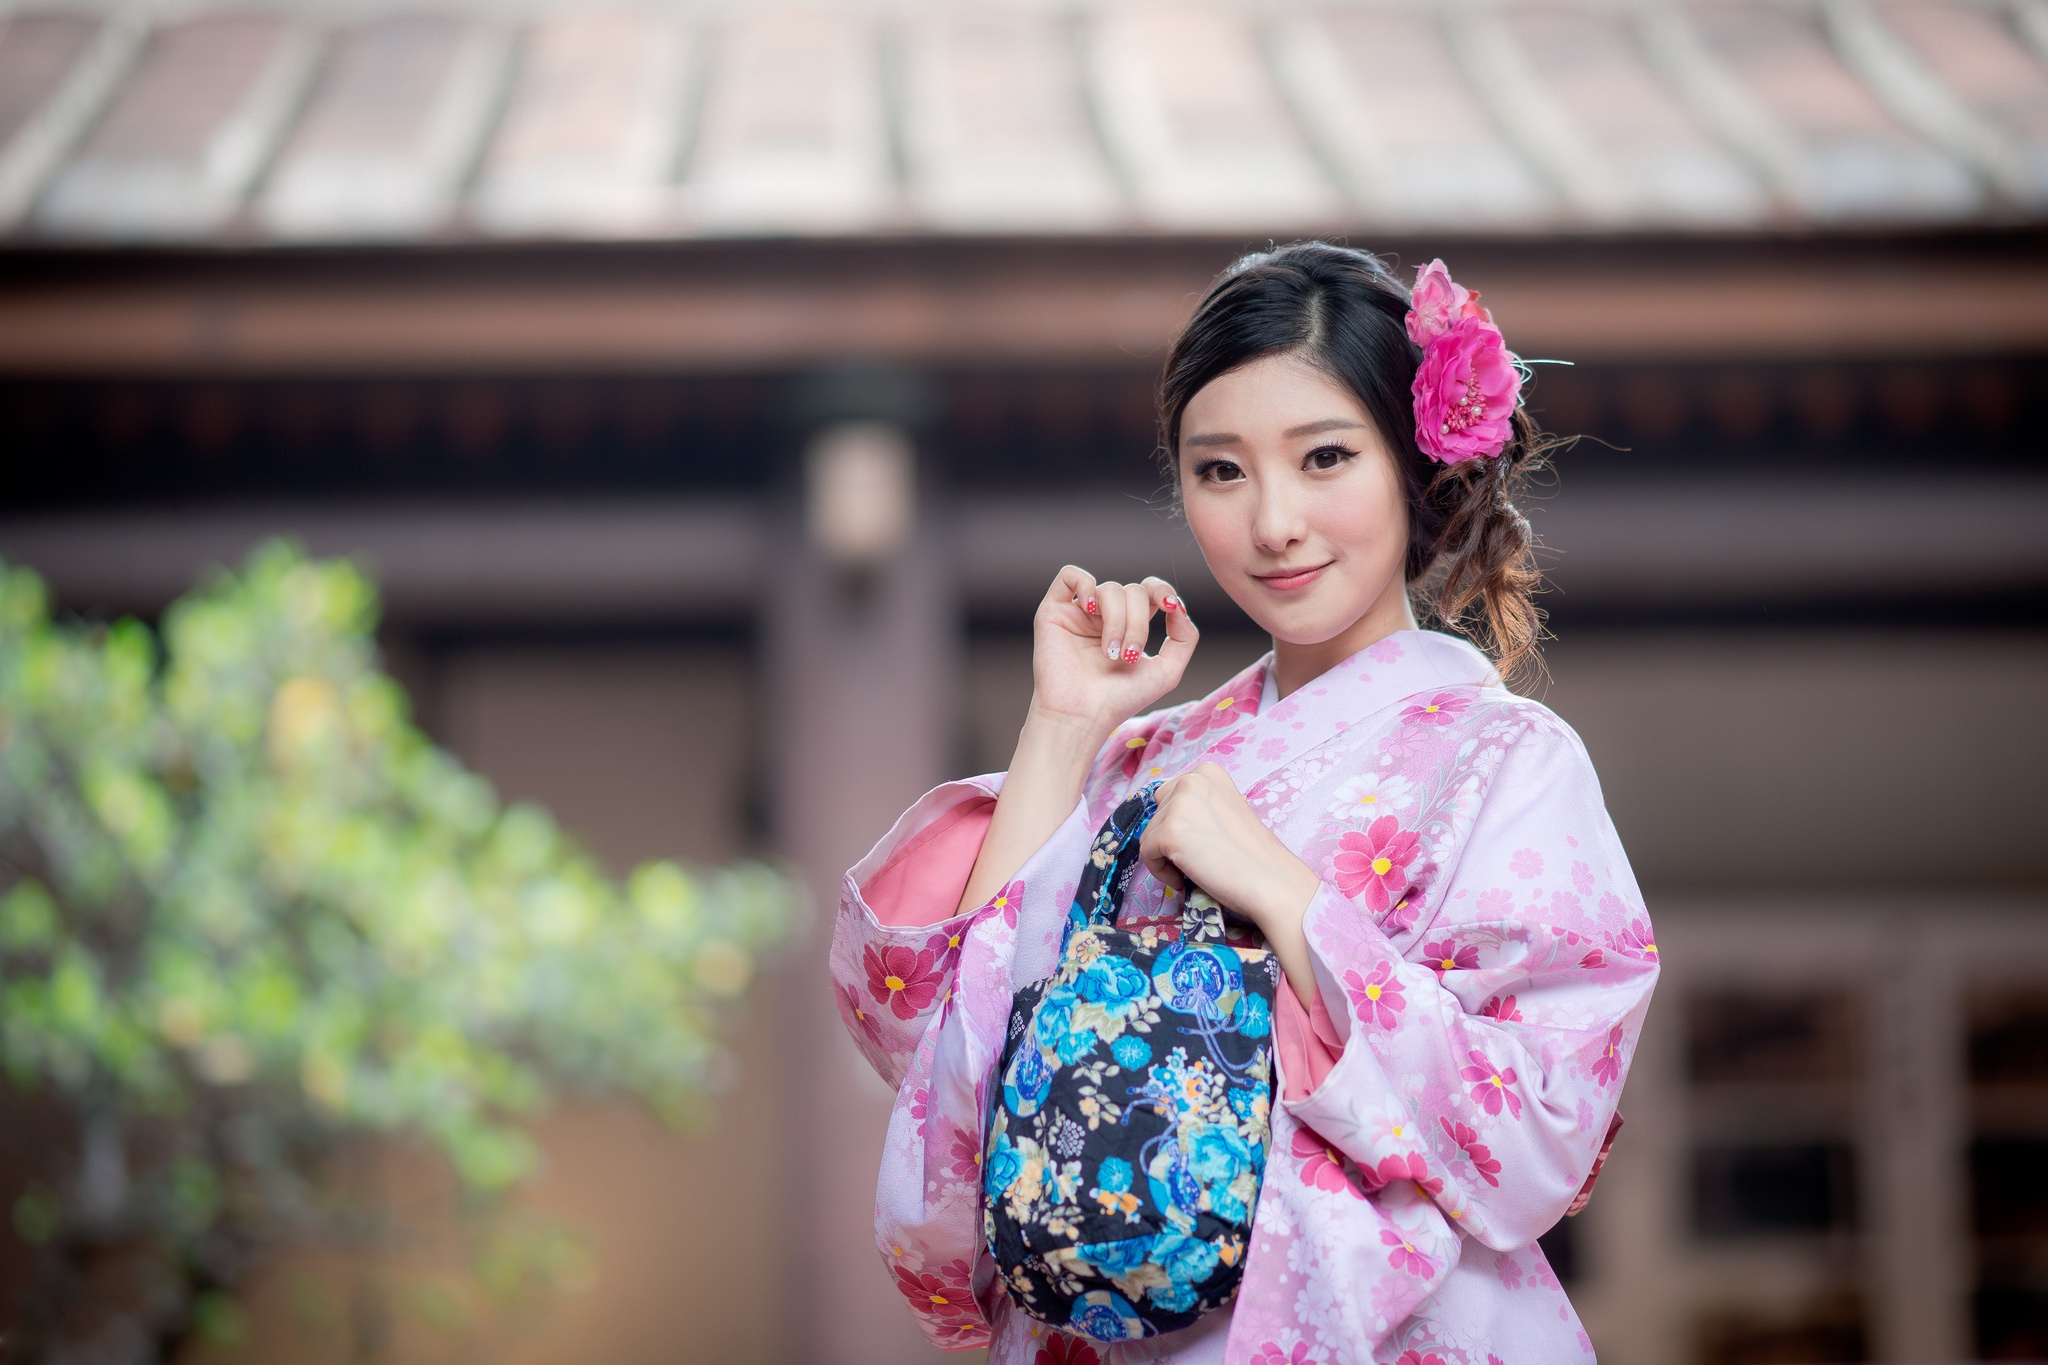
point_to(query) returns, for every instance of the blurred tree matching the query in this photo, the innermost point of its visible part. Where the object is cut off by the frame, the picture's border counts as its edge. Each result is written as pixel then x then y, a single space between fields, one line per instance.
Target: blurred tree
pixel 248 911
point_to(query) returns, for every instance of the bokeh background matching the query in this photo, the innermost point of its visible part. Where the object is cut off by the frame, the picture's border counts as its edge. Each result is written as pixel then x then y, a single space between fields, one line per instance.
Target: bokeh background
pixel 713 389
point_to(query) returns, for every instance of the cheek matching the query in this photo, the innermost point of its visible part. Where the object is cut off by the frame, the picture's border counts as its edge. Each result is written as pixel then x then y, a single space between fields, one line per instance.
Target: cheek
pixel 1368 516
pixel 1216 528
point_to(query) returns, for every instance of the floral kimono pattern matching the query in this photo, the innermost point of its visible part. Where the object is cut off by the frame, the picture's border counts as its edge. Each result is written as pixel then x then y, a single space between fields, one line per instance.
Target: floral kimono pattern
pixel 1479 945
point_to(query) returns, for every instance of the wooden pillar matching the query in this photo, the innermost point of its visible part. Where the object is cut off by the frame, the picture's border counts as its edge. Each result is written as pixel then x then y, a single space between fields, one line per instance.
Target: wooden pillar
pixel 1916 1130
pixel 862 670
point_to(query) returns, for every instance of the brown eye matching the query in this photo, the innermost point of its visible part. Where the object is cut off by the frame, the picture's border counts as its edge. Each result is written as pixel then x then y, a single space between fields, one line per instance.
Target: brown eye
pixel 1327 457
pixel 1220 471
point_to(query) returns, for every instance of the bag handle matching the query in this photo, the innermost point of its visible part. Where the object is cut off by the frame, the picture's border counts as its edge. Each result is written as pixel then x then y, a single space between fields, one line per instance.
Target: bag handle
pixel 1113 861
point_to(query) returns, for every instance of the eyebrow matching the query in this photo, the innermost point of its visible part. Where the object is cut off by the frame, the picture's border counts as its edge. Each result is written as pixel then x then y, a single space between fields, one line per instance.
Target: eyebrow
pixel 1229 438
pixel 1318 428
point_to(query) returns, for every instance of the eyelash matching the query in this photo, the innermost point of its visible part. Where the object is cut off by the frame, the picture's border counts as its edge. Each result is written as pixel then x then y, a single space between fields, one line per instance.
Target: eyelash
pixel 1204 468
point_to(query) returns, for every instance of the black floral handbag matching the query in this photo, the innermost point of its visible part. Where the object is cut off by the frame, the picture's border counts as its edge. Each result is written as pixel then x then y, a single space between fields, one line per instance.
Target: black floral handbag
pixel 1127 1135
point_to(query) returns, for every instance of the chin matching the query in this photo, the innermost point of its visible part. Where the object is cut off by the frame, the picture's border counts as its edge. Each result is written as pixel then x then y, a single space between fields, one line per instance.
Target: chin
pixel 1304 629
pixel 1306 639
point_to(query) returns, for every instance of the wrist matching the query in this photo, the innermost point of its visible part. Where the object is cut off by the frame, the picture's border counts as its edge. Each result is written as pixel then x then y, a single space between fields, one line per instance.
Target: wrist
pixel 1054 754
pixel 1064 733
pixel 1292 889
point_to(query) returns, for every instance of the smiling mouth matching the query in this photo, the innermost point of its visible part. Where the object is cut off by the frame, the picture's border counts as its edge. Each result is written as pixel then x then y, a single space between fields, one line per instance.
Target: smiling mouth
pixel 1288 580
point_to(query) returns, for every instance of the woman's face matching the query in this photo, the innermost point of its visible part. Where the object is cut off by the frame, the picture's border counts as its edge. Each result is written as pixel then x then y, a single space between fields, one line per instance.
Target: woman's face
pixel 1295 501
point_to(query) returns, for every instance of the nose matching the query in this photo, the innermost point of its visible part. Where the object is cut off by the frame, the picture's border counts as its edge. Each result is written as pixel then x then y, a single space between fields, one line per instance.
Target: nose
pixel 1280 522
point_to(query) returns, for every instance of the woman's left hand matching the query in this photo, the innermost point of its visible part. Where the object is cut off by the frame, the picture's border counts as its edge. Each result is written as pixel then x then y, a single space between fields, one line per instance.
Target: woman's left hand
pixel 1204 832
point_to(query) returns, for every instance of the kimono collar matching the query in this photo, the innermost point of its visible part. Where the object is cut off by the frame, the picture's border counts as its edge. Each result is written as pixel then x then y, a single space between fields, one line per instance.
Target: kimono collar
pixel 1389 670
pixel 1227 728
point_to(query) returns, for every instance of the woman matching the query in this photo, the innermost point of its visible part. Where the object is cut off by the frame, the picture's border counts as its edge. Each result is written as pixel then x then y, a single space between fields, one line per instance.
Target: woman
pixel 1466 958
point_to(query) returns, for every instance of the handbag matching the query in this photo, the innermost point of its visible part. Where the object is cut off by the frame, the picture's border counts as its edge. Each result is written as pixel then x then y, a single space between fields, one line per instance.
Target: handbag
pixel 1127 1133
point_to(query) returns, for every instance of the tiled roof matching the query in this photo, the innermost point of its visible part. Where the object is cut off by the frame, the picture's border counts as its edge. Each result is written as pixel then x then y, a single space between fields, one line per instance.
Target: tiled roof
pixel 257 123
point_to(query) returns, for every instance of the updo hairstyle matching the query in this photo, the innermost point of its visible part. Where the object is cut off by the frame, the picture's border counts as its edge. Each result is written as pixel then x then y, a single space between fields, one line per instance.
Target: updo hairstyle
pixel 1471 563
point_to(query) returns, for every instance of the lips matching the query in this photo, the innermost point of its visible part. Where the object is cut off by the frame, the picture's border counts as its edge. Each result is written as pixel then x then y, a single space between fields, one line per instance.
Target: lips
pixel 1291 580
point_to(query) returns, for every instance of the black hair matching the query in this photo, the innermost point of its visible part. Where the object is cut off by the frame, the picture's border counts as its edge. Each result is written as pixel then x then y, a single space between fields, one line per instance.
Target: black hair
pixel 1471 554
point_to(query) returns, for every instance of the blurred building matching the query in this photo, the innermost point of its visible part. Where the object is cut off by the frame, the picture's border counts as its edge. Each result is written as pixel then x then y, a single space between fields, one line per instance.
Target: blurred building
pixel 715 388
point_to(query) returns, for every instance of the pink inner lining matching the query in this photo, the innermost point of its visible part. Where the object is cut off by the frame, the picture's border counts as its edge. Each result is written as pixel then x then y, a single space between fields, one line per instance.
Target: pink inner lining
pixel 1308 1043
pixel 922 883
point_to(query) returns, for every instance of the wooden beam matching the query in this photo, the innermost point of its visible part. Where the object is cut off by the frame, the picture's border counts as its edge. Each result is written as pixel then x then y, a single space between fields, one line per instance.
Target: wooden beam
pixel 768 306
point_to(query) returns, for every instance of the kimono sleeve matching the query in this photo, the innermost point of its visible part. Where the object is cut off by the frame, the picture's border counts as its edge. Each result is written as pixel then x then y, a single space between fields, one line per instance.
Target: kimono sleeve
pixel 928 1001
pixel 897 938
pixel 1487 1072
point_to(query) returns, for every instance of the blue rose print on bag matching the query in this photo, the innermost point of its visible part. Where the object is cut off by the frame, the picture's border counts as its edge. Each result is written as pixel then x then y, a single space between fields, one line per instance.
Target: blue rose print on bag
pixel 1126 1144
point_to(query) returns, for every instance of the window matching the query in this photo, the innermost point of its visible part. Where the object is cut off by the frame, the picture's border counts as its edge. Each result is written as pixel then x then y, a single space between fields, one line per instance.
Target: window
pixel 1777 1188
pixel 2008 1066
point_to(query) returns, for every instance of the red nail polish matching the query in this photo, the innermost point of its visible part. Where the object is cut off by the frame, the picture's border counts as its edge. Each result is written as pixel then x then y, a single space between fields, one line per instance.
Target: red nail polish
pixel 1130 656
pixel 1173 604
pixel 1089 606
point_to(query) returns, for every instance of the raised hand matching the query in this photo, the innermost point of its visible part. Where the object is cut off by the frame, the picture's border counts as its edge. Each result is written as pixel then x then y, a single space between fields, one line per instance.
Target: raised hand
pixel 1089 674
pixel 1088 665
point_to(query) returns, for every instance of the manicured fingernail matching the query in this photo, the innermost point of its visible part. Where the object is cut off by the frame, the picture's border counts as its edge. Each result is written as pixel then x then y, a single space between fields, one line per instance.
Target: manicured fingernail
pixel 1130 656
pixel 1089 606
pixel 1114 649
pixel 1173 604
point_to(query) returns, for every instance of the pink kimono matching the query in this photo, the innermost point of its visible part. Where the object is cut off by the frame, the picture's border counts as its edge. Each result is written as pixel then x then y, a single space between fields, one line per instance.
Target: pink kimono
pixel 1483 961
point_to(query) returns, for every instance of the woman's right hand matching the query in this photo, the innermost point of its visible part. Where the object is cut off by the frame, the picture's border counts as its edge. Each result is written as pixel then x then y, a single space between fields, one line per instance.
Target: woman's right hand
pixel 1081 691
pixel 1088 665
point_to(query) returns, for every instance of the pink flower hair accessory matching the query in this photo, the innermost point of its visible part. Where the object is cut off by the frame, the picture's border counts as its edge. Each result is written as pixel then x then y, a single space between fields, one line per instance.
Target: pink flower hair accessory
pixel 1469 383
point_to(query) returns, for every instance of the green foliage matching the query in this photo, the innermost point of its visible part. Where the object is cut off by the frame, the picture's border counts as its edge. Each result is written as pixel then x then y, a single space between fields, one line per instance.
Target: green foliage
pixel 246 907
